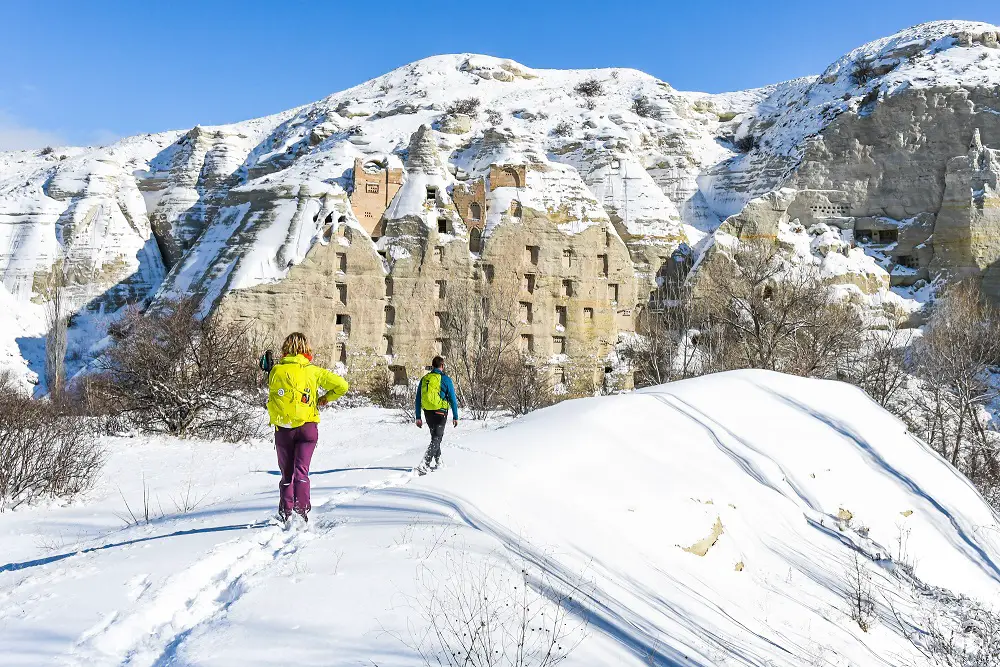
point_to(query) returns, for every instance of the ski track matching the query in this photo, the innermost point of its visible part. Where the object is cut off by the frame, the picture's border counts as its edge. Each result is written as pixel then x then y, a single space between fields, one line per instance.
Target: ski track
pixel 149 633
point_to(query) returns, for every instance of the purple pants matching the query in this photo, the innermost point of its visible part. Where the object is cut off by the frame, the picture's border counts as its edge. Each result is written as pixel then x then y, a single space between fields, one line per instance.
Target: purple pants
pixel 295 448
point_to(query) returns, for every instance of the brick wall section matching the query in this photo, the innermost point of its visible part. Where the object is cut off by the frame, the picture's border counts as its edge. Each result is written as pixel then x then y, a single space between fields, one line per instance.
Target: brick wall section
pixel 372 194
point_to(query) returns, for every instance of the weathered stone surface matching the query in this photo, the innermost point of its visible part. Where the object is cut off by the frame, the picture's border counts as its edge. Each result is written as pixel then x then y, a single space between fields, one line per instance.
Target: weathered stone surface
pixel 458 123
pixel 249 216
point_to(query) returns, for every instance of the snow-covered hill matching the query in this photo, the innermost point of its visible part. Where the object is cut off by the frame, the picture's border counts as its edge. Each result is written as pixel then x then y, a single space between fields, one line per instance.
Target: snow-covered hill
pixel 708 522
pixel 215 210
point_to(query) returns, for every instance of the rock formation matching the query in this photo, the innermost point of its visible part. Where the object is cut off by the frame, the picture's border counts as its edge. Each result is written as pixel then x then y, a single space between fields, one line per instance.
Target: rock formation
pixel 360 217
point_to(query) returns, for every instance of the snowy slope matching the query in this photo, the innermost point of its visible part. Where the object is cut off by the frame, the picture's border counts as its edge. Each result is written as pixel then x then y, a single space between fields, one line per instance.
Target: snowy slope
pixel 617 493
pixel 948 55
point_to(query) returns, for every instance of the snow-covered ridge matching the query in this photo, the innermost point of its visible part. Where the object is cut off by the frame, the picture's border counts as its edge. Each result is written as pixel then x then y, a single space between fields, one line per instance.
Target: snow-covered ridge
pixel 939 54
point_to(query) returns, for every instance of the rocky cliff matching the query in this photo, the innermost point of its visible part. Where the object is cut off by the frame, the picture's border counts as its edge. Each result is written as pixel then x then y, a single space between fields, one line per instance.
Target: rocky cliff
pixel 360 216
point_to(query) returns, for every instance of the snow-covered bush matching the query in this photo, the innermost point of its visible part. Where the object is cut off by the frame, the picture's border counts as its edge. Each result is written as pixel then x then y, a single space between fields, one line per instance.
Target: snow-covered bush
pixel 590 88
pixel 44 453
pixel 563 129
pixel 173 372
pixel 746 143
pixel 862 72
pixel 494 117
pixel 641 106
pixel 468 106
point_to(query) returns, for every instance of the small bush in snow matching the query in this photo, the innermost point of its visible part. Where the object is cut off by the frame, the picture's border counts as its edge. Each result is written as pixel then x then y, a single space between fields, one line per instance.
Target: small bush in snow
pixel 641 106
pixel 860 595
pixel 530 387
pixel 491 612
pixel 398 398
pixel 44 453
pixel 494 117
pixel 862 72
pixel 468 106
pixel 590 88
pixel 563 129
pixel 173 372
pixel 746 143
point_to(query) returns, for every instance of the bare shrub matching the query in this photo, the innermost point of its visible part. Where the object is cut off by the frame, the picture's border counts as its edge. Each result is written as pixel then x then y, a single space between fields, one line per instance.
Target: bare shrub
pixel 590 88
pixel 878 366
pixel 398 398
pixel 172 372
pixel 563 129
pixel 753 310
pixel 860 594
pixel 953 361
pixel 777 317
pixel 482 327
pixel 43 453
pixel 528 387
pixel 953 631
pixel 970 639
pixel 480 612
pixel 668 345
pixel 862 72
pixel 468 106
pixel 748 142
pixel 641 106
pixel 494 117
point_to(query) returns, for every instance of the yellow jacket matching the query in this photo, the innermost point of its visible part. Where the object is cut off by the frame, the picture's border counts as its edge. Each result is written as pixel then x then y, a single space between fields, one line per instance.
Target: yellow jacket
pixel 293 391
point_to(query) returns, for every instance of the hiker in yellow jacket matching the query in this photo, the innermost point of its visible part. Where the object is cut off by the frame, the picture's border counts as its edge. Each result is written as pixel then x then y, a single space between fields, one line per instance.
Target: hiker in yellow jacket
pixel 293 403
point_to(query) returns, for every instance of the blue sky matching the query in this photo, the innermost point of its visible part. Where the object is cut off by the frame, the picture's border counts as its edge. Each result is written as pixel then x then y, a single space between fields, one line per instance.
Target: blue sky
pixel 89 72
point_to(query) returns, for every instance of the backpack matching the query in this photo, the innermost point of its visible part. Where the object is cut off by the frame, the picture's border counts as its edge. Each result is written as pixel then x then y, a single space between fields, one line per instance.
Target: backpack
pixel 266 362
pixel 291 399
pixel 432 396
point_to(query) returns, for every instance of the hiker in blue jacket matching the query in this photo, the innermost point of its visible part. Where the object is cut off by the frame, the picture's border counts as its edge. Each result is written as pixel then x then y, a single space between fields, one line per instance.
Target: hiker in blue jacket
pixel 434 394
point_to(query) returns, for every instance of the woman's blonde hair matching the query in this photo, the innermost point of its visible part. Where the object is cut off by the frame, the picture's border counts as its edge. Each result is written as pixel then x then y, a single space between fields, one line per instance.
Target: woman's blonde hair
pixel 294 344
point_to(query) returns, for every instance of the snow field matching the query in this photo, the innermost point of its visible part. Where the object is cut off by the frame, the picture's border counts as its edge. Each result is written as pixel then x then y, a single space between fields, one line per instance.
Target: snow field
pixel 707 522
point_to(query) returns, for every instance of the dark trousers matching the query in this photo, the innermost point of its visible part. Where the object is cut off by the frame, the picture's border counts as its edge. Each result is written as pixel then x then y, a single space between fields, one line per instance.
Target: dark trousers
pixel 295 448
pixel 435 424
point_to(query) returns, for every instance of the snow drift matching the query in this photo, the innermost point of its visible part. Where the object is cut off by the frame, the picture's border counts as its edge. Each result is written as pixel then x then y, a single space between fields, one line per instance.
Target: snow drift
pixel 708 522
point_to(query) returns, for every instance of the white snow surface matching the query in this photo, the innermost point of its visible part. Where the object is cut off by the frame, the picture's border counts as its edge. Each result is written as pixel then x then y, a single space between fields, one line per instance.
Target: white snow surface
pixel 606 492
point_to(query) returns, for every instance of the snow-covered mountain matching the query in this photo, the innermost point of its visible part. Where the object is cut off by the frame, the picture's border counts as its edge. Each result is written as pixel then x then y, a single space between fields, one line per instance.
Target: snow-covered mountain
pixel 610 158
pixel 719 521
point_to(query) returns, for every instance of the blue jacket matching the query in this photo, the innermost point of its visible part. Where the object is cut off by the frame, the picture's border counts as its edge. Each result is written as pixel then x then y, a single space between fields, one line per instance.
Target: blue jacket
pixel 449 393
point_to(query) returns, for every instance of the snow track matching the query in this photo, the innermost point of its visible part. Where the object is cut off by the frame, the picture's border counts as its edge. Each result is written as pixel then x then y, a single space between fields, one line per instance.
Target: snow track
pixel 148 633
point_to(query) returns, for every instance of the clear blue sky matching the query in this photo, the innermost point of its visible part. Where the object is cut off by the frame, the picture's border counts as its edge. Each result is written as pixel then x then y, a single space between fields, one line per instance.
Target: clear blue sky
pixel 87 72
